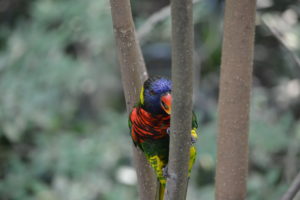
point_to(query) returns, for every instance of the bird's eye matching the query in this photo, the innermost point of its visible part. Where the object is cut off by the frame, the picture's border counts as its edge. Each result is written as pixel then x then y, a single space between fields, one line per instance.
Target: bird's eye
pixel 152 92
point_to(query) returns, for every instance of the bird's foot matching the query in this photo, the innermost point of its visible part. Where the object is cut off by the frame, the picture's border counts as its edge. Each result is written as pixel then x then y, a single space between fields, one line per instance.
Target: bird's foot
pixel 165 171
pixel 194 136
pixel 168 131
pixel 193 139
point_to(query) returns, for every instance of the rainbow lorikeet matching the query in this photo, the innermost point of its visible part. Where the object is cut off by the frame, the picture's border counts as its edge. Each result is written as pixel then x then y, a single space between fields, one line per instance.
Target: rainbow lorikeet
pixel 149 124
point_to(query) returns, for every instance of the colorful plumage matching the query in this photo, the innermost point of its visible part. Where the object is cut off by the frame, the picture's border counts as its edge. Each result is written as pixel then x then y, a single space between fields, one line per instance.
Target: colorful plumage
pixel 149 124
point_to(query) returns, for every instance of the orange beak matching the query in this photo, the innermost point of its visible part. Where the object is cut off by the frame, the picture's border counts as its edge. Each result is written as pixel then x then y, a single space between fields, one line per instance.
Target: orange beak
pixel 166 102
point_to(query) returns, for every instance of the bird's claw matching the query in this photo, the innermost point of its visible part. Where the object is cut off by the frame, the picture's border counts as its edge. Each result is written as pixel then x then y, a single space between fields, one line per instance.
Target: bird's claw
pixel 193 140
pixel 165 171
pixel 168 131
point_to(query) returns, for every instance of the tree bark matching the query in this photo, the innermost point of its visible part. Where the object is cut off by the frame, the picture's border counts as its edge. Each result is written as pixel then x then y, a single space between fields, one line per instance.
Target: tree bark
pixel 234 99
pixel 133 72
pixel 182 89
pixel 293 189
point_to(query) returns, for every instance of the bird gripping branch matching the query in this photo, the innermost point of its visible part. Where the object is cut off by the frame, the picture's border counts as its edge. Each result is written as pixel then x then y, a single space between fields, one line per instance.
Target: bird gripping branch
pixel 149 124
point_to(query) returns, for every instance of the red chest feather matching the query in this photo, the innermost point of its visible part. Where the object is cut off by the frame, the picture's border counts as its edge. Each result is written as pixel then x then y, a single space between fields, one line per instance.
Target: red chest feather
pixel 147 126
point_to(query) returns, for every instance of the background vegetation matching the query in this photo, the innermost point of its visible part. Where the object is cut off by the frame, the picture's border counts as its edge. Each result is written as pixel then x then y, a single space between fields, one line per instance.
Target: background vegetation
pixel 63 124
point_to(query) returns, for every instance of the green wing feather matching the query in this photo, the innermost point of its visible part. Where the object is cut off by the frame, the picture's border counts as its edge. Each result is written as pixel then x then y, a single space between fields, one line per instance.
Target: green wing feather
pixel 194 136
pixel 157 154
pixel 194 121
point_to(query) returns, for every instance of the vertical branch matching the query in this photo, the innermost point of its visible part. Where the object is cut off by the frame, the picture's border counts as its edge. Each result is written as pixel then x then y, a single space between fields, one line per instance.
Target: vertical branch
pixel 234 99
pixel 182 89
pixel 133 72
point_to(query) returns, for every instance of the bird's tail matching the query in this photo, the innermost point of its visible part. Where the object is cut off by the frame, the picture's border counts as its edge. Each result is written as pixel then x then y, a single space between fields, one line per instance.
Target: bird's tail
pixel 160 191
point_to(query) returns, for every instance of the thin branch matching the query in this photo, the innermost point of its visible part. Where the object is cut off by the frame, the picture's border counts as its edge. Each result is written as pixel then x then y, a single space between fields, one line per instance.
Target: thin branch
pixel 153 20
pixel 293 189
pixel 234 99
pixel 279 36
pixel 133 73
pixel 182 89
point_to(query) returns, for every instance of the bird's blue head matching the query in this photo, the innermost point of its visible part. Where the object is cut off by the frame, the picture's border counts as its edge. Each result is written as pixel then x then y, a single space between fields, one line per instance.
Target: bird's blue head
pixel 156 96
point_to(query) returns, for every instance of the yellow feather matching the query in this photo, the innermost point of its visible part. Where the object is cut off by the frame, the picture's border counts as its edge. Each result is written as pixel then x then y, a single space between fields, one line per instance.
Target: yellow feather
pixel 194 134
pixel 157 164
pixel 142 95
pixel 193 151
pixel 193 154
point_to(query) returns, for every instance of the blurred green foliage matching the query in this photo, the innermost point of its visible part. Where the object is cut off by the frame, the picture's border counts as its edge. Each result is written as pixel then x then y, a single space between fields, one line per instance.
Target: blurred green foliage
pixel 63 126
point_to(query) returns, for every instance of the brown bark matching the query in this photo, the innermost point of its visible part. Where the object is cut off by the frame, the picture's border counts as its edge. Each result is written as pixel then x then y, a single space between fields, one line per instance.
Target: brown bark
pixel 182 89
pixel 293 189
pixel 234 99
pixel 133 72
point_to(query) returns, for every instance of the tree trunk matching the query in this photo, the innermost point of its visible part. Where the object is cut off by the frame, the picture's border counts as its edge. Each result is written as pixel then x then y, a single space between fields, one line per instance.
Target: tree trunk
pixel 133 72
pixel 182 89
pixel 234 99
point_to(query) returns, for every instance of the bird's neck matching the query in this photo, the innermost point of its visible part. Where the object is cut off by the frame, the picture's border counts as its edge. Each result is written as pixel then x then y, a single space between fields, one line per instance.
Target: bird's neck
pixel 151 117
pixel 154 110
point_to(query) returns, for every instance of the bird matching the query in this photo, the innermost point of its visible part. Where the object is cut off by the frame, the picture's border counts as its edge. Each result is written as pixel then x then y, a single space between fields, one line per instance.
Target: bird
pixel 149 123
